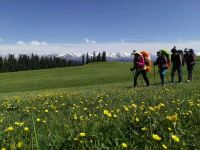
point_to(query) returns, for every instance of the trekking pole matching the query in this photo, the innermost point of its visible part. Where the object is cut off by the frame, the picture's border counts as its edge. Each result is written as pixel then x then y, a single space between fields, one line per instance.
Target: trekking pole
pixel 154 68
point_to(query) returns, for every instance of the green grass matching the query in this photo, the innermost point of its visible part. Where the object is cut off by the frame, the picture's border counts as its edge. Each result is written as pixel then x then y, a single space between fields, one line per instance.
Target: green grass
pixel 92 74
pixel 57 105
pixel 96 75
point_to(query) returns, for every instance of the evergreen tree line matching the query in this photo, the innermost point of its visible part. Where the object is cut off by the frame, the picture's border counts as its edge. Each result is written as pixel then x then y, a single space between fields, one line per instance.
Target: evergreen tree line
pixel 101 57
pixel 33 62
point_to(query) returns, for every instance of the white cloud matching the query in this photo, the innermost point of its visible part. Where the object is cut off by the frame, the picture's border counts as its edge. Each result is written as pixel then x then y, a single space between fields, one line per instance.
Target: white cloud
pixel 21 43
pixel 1 40
pixel 93 42
pixel 122 40
pixel 43 48
pixel 87 40
pixel 180 40
pixel 37 43
pixel 32 43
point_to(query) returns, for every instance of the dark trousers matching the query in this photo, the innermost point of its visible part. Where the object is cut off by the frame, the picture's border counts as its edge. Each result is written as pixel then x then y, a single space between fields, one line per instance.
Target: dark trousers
pixel 162 78
pixel 179 70
pixel 189 69
pixel 144 74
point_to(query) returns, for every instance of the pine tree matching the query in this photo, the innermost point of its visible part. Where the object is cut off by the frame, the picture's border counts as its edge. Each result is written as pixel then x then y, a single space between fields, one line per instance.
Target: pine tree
pixel 87 58
pixel 99 57
pixel 83 60
pixel 104 56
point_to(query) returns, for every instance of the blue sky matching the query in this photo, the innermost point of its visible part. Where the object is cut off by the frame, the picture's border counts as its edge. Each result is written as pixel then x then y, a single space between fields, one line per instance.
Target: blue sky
pixel 60 21
pixel 43 22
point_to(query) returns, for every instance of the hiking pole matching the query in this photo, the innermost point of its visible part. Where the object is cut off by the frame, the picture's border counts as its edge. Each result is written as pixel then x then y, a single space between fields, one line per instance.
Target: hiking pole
pixel 154 68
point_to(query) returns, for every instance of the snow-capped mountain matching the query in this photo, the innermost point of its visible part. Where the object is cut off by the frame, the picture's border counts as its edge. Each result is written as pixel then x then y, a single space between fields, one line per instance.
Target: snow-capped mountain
pixel 119 56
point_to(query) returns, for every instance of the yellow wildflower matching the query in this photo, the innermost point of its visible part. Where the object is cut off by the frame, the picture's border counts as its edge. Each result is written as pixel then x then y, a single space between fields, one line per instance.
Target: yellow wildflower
pixel 107 113
pixel 144 129
pixel 175 138
pixel 156 137
pixel 82 134
pixel 19 123
pixel 26 129
pixel 172 118
pixel 137 119
pixel 164 146
pixel 20 144
pixel 124 145
pixel 134 105
pixel 38 119
pixel 126 108
pixel 10 129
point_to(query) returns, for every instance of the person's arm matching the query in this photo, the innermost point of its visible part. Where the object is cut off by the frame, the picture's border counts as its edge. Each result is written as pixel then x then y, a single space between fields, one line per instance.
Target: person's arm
pixel 192 59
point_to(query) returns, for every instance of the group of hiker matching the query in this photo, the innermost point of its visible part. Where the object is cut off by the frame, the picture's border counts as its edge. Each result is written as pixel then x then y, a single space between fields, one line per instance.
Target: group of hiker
pixel 142 64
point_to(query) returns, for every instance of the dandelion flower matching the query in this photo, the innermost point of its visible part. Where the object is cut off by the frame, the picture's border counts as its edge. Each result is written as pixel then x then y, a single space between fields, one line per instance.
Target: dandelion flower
pixel 124 145
pixel 137 119
pixel 144 129
pixel 175 138
pixel 170 129
pixel 172 118
pixel 82 134
pixel 26 129
pixel 164 146
pixel 156 137
pixel 20 144
pixel 107 113
pixel 9 129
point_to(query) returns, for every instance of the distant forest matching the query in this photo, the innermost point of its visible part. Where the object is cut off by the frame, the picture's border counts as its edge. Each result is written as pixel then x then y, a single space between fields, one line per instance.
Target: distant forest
pixel 33 62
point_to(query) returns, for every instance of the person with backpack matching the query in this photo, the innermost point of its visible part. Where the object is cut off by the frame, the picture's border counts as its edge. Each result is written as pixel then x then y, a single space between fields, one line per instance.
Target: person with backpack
pixel 177 63
pixel 161 61
pixel 140 67
pixel 189 57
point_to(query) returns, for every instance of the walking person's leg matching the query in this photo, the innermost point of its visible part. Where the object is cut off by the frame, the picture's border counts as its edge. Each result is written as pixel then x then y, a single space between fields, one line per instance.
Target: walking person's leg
pixel 137 73
pixel 172 74
pixel 188 71
pixel 190 68
pixel 162 76
pixel 179 69
pixel 144 74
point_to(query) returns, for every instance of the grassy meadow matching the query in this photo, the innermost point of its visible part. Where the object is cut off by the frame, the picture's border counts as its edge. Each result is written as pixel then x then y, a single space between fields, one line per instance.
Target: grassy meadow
pixel 95 107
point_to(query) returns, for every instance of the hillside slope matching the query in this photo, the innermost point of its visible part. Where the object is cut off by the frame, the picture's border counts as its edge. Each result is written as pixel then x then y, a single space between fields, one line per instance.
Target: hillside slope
pixel 92 75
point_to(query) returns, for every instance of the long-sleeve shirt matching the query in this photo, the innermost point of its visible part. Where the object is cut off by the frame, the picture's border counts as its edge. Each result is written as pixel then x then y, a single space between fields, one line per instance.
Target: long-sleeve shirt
pixel 161 61
pixel 176 60
pixel 189 59
pixel 139 62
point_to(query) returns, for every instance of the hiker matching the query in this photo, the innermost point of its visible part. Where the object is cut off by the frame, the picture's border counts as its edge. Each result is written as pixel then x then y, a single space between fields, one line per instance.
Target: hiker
pixel 161 61
pixel 190 62
pixel 177 63
pixel 139 67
